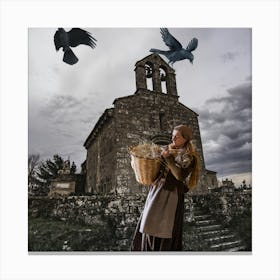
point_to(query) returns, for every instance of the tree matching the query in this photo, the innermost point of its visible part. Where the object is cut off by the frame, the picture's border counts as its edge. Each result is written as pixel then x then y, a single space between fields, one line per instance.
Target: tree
pixel 33 161
pixel 48 170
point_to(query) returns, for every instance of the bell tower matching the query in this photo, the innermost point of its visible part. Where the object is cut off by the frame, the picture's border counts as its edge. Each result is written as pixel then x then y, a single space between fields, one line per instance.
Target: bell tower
pixel 155 71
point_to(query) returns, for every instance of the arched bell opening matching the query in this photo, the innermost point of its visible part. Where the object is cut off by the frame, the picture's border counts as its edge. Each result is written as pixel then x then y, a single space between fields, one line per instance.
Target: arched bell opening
pixel 163 78
pixel 149 75
pixel 153 74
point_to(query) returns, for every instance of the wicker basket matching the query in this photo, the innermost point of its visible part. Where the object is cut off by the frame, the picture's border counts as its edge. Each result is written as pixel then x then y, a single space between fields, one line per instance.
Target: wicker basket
pixel 146 169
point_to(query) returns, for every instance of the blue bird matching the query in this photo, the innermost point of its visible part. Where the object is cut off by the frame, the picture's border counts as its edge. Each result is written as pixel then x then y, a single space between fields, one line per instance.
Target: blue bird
pixel 176 52
pixel 73 38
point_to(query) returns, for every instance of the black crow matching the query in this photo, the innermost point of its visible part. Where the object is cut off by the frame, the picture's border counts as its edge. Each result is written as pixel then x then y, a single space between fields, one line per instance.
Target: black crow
pixel 176 52
pixel 73 38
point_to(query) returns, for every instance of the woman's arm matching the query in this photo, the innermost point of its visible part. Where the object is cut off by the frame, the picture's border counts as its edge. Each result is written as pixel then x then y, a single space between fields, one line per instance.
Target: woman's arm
pixel 178 172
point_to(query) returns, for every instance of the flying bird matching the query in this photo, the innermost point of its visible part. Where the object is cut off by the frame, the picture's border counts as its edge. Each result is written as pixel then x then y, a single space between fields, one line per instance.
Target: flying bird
pixel 73 38
pixel 176 51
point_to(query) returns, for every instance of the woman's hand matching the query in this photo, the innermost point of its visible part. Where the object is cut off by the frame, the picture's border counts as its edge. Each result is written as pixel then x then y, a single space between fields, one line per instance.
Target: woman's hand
pixel 165 153
pixel 171 146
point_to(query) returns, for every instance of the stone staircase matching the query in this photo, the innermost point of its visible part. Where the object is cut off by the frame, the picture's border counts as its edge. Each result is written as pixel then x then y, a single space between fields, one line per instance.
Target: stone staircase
pixel 212 235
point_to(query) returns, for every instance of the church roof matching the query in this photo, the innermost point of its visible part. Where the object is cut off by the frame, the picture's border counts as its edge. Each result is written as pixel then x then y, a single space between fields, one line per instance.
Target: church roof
pixel 155 57
pixel 108 113
pixel 210 171
pixel 188 108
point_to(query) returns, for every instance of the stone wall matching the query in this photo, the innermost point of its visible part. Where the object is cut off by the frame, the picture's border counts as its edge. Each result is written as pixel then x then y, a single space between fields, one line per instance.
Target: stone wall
pixel 101 159
pixel 112 218
pixel 137 120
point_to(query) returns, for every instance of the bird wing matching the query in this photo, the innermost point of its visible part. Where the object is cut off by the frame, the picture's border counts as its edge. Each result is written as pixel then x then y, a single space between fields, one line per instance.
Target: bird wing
pixel 57 41
pixel 79 36
pixel 192 45
pixel 169 40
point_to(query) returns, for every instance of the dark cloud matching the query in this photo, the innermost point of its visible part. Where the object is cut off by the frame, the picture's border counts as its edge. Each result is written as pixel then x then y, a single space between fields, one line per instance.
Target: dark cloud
pixel 60 104
pixel 67 109
pixel 62 123
pixel 226 129
pixel 229 56
pixel 249 78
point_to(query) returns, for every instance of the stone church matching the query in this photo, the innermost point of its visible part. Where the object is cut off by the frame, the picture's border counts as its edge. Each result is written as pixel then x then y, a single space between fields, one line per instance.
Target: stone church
pixel 147 115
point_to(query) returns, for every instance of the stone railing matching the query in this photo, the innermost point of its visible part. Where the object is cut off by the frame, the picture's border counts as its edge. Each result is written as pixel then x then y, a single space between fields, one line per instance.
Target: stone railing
pixel 107 222
pixel 226 206
pixel 113 216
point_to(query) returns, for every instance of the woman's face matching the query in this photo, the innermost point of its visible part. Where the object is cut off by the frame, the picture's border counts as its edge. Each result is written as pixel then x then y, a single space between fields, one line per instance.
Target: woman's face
pixel 177 139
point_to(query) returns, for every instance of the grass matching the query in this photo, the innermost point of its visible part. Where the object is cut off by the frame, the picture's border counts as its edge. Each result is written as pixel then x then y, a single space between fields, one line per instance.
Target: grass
pixel 45 234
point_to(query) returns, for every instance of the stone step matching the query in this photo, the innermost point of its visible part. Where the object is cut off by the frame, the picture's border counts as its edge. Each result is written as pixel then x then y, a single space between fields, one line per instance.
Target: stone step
pixel 213 232
pixel 85 230
pixel 236 249
pixel 226 245
pixel 200 212
pixel 219 238
pixel 205 222
pixel 198 208
pixel 202 217
pixel 209 227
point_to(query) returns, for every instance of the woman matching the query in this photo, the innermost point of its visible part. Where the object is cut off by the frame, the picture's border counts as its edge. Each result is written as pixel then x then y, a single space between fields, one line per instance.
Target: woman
pixel 160 226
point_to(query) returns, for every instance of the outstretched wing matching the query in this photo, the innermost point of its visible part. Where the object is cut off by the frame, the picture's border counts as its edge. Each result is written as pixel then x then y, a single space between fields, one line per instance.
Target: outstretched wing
pixel 79 36
pixel 192 45
pixel 57 41
pixel 169 40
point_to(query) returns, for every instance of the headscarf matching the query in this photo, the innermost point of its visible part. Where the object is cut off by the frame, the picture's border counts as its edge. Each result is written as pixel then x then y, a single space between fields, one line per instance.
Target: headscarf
pixel 185 131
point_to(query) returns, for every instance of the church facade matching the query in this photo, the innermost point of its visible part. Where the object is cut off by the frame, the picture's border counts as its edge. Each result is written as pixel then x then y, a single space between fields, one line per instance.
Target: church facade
pixel 150 114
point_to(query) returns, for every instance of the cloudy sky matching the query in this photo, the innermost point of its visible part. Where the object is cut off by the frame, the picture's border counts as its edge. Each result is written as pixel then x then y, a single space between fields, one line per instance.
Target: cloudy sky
pixel 66 101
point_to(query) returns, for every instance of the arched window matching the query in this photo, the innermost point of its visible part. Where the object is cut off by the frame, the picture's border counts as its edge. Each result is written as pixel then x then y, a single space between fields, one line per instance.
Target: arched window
pixel 149 75
pixel 162 72
pixel 162 121
pixel 161 139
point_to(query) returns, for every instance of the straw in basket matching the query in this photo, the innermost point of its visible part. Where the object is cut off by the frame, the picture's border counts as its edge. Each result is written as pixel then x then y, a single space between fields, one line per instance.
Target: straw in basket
pixel 146 162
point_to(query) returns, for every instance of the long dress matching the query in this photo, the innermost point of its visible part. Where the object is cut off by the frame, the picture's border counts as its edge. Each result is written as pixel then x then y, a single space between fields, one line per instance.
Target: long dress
pixel 160 226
